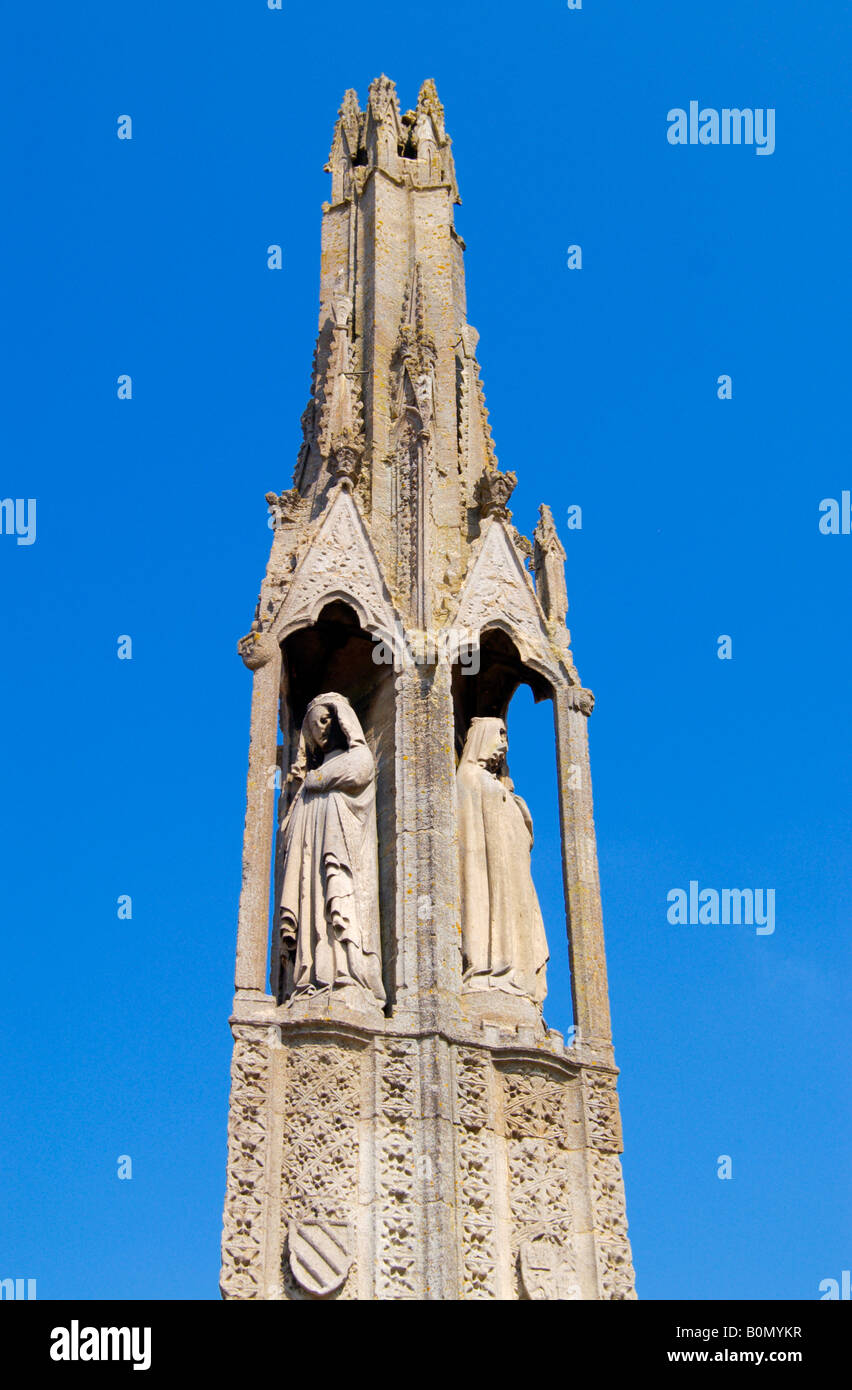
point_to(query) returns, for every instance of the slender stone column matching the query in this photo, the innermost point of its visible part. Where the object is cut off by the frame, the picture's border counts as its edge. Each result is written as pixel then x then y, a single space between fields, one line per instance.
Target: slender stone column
pixel 427 911
pixel 262 655
pixel 580 872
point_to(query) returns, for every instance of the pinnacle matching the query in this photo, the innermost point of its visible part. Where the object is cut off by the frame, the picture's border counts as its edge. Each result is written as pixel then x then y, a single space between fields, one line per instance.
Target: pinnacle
pixel 348 123
pixel 382 97
pixel 413 147
pixel 429 102
pixel 350 112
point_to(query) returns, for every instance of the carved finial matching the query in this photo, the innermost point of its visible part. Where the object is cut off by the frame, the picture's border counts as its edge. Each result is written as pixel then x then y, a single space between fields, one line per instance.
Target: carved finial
pixel 383 100
pixel 350 118
pixel 434 155
pixel 347 139
pixel 384 133
pixel 347 129
pixel 546 537
pixel 427 141
pixel 429 104
pixel 549 564
pixel 493 492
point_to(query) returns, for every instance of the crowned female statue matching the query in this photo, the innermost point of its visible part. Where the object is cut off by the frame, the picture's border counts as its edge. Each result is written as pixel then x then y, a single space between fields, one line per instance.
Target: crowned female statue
pixel 329 904
pixel 503 941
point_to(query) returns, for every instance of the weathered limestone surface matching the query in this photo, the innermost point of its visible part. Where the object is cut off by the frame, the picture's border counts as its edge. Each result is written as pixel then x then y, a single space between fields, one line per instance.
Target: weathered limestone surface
pixel 402 1125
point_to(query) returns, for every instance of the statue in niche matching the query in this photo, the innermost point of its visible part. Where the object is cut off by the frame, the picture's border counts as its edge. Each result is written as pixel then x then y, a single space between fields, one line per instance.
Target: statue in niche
pixel 329 906
pixel 503 941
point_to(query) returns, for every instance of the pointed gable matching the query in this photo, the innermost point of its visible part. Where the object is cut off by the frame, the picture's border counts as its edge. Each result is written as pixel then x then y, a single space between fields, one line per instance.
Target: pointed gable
pixel 498 592
pixel 339 563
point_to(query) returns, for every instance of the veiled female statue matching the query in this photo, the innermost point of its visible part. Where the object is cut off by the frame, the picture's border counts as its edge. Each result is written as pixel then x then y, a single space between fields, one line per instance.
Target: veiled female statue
pixel 329 904
pixel 503 942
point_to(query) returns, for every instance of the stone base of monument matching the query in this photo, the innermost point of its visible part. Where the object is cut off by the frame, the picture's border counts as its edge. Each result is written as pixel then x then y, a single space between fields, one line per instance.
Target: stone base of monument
pixel 341 1136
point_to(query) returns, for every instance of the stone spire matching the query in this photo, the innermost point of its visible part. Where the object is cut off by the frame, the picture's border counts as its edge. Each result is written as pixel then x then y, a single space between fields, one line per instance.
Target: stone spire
pixel 390 250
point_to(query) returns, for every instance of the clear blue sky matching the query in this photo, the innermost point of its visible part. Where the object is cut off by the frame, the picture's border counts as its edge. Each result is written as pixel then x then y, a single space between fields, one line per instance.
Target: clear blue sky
pixel 700 518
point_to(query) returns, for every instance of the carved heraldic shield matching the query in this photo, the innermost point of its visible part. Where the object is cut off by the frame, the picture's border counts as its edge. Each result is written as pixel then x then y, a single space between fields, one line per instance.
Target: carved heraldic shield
pixel 547 1271
pixel 320 1254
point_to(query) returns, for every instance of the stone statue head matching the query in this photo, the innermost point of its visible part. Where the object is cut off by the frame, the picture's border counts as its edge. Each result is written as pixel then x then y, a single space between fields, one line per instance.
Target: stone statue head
pixel 320 727
pixel 330 722
pixel 487 743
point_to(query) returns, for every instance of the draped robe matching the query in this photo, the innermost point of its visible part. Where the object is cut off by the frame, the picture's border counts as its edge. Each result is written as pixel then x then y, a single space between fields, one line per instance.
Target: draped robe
pixel 329 904
pixel 503 939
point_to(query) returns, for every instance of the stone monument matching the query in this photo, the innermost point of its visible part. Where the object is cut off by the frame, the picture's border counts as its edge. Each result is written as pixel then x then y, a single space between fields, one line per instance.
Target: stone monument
pixel 403 1123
